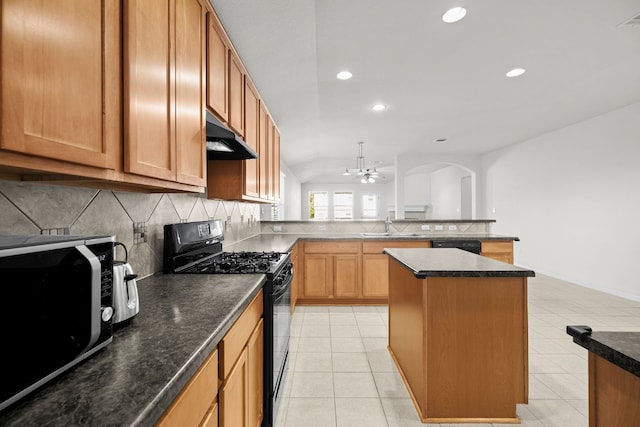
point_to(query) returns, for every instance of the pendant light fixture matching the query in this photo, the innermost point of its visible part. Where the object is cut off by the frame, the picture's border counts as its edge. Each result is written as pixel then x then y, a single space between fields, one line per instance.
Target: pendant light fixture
pixel 367 175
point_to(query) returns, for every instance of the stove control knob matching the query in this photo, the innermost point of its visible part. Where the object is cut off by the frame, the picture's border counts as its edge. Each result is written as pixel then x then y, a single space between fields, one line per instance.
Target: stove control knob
pixel 107 313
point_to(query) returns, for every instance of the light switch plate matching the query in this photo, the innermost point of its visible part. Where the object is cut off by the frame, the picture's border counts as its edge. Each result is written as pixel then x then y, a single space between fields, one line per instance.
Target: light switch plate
pixel 425 227
pixel 453 228
pixel 439 227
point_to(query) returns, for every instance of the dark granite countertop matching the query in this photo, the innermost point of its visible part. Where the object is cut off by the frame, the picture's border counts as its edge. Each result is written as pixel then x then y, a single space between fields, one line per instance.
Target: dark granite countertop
pixel 620 348
pixel 134 379
pixel 443 262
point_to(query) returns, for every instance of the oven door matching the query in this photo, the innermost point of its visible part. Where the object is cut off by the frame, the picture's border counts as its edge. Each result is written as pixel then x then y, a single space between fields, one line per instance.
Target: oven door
pixel 281 299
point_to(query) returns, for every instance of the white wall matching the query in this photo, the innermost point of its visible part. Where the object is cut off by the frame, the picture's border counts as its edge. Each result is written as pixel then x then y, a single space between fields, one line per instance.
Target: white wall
pixel 292 195
pixel 446 192
pixel 417 189
pixel 573 198
pixel 358 190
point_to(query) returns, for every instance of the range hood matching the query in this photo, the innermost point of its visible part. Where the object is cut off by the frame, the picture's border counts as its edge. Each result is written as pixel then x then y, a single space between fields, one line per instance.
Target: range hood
pixel 223 144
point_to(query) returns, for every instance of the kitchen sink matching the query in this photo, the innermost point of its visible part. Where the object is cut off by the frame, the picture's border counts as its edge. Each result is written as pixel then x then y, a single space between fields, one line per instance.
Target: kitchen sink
pixel 383 234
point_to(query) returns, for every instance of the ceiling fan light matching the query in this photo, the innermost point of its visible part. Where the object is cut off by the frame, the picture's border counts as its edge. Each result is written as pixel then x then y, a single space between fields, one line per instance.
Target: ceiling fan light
pixel 363 180
pixel 372 180
pixel 346 172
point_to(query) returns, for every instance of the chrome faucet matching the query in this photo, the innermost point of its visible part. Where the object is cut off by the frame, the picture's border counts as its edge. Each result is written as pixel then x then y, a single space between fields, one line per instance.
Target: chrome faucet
pixel 387 222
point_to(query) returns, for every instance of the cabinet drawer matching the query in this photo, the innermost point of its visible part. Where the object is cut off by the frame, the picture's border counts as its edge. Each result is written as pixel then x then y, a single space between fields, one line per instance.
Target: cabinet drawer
pixel 377 246
pixel 235 340
pixel 493 246
pixel 195 400
pixel 337 247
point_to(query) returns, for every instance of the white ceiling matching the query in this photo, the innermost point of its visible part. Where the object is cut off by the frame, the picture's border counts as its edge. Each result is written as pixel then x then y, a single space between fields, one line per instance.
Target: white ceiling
pixel 439 80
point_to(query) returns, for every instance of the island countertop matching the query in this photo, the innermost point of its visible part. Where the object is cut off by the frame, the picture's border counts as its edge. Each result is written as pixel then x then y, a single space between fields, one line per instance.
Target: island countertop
pixel 620 348
pixel 443 262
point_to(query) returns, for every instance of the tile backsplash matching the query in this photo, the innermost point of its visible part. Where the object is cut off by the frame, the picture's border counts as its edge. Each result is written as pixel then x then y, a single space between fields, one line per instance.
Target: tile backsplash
pixel 136 219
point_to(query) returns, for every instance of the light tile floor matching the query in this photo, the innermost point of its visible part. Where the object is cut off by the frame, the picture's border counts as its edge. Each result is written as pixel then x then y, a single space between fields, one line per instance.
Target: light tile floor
pixel 342 375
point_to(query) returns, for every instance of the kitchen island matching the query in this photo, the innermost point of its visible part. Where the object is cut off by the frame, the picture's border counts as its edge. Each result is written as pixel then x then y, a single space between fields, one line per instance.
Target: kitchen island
pixel 614 375
pixel 458 334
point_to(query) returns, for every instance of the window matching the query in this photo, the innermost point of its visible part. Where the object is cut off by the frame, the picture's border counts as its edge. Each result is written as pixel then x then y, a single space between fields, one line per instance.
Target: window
pixel 369 206
pixel 343 205
pixel 318 205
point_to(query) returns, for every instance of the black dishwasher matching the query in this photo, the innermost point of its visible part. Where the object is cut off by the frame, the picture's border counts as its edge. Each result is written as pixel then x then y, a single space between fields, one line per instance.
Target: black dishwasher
pixel 473 246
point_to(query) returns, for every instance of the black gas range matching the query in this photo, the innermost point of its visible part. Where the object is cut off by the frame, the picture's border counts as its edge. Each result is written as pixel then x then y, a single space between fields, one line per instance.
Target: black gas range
pixel 196 248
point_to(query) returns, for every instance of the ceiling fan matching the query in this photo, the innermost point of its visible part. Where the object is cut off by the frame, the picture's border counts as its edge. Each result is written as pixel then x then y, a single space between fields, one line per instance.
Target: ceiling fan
pixel 367 175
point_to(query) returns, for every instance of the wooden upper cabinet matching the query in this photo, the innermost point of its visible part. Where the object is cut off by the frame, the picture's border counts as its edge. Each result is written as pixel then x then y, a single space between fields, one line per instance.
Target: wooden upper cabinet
pixel 190 68
pixel 236 94
pixel 263 152
pixel 164 105
pixel 148 75
pixel 60 80
pixel 217 68
pixel 251 113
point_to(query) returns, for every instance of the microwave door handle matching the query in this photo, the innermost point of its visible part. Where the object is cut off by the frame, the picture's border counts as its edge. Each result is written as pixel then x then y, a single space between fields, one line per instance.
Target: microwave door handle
pixel 95 293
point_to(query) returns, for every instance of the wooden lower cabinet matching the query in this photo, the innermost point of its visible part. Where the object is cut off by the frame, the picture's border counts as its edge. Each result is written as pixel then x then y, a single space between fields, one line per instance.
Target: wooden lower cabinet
pixel 346 276
pixel 241 396
pixel 255 359
pixel 318 273
pixel 197 404
pixel 327 276
pixel 498 250
pixel 331 271
pixel 234 395
pixel 242 369
pixel 375 265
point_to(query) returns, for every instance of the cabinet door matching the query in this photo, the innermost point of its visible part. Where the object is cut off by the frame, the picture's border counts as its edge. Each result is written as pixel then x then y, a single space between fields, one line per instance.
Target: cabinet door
pixel 149 100
pixel 190 123
pixel 60 80
pixel 217 68
pixel 234 396
pixel 236 94
pixel 375 275
pixel 318 275
pixel 498 250
pixel 255 355
pixel 263 152
pixel 251 113
pixel 346 275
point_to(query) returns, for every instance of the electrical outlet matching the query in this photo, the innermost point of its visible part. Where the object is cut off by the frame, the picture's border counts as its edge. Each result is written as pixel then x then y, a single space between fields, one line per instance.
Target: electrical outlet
pixel 322 228
pixel 453 228
pixel 277 228
pixel 439 227
pixel 425 227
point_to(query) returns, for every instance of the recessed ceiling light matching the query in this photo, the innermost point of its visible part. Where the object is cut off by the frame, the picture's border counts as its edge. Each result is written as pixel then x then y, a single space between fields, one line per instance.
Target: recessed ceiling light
pixel 344 75
pixel 454 15
pixel 515 72
pixel 379 107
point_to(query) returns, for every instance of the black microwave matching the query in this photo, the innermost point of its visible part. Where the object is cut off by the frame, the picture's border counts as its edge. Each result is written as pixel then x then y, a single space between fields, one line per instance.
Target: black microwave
pixel 56 307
